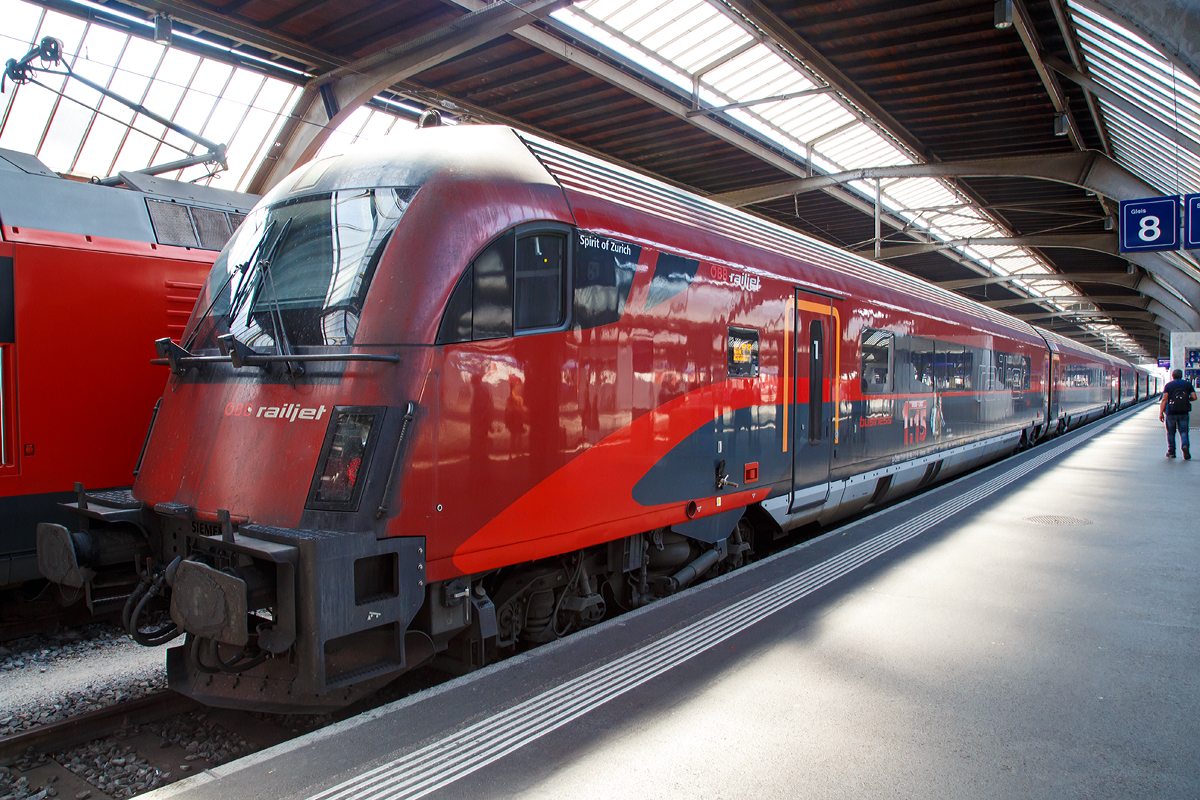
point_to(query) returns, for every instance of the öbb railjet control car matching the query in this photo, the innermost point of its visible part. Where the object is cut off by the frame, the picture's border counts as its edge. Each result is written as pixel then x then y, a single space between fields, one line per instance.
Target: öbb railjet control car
pixel 472 389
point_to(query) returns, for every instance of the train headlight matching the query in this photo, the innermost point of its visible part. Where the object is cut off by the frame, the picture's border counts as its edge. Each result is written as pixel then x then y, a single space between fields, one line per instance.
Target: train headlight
pixel 341 471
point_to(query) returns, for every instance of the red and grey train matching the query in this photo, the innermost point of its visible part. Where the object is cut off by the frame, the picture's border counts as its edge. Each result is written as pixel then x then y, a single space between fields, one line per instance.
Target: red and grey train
pixel 469 390
pixel 89 274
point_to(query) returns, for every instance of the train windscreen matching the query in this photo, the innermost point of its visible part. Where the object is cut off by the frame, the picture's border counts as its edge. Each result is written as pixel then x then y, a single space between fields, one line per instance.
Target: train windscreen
pixel 300 270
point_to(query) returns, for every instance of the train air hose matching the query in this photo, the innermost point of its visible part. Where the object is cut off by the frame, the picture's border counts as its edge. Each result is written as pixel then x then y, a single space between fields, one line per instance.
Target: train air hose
pixel 148 588
pixel 238 664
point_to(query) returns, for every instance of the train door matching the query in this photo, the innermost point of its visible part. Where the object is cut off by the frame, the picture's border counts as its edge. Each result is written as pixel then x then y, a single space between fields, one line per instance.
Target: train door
pixel 814 343
pixel 1053 397
pixel 8 394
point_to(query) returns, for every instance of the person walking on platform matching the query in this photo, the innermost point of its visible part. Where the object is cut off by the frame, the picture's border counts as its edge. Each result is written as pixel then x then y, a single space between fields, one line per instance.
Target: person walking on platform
pixel 1176 404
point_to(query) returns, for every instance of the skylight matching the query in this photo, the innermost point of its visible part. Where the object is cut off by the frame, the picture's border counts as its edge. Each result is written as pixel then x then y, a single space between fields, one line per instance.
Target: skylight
pixel 85 134
pixel 1130 66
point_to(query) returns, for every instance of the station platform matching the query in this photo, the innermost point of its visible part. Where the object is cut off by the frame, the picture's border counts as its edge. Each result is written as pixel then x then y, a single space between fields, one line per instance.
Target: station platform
pixel 1028 631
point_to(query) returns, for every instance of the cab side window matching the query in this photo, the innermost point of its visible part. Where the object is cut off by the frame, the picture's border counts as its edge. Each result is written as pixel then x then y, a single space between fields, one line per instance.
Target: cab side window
pixel 481 305
pixel 541 272
pixel 493 301
pixel 518 284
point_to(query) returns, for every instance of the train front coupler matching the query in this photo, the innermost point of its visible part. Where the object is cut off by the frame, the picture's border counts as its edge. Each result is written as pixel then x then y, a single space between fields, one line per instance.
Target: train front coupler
pixel 287 619
pixel 100 561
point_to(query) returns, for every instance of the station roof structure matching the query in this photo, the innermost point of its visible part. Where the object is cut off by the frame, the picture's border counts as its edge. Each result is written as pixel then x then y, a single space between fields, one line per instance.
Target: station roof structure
pixel 980 144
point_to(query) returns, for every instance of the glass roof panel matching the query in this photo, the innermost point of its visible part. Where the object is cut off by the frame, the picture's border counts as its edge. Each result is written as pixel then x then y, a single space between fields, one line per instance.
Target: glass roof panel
pixel 1123 61
pixel 83 133
pixel 860 147
pixel 96 156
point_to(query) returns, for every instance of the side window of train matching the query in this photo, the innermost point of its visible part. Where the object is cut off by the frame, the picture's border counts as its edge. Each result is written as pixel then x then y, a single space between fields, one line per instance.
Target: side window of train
pixel 519 283
pixel 743 352
pixel 920 365
pixel 541 280
pixel 603 273
pixel 481 305
pixel 877 361
pixel 492 304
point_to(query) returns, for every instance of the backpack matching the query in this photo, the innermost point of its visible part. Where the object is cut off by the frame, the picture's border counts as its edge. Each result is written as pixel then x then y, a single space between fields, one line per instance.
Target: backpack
pixel 1179 400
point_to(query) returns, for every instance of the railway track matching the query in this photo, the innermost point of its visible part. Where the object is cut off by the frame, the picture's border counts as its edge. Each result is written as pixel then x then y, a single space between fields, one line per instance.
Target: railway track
pixel 128 748
pixel 90 725
pixel 142 744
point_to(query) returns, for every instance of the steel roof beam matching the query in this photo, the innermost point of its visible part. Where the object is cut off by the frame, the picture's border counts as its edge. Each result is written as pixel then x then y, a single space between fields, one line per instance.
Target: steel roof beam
pixel 782 34
pixel 1068 33
pixel 783 37
pixel 1101 242
pixel 1163 306
pixel 1129 279
pixel 1164 313
pixel 1180 281
pixel 329 99
pixel 1162 317
pixel 1150 288
pixel 245 33
pixel 1033 45
pixel 1132 109
pixel 748 103
pixel 1168 307
pixel 1116 299
pixel 1090 170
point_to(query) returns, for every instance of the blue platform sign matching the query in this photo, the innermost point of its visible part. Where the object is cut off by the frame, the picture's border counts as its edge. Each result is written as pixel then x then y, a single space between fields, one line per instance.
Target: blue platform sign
pixel 1191 222
pixel 1150 224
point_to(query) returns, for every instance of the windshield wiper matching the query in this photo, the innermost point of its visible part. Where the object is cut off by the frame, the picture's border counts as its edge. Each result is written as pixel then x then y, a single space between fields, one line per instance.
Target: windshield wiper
pixel 237 352
pixel 244 288
pixel 229 345
pixel 282 345
pixel 242 355
pixel 217 294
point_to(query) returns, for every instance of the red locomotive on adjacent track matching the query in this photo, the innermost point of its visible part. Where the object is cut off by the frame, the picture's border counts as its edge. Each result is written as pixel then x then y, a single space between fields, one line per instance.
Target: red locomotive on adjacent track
pixel 471 389
pixel 87 274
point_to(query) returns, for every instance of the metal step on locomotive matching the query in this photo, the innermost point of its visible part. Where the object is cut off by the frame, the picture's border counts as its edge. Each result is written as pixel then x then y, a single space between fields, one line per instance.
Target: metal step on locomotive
pixel 468 390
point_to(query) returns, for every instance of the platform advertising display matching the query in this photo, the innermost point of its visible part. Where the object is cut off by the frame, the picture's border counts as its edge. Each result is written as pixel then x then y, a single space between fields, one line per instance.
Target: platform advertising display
pixel 1151 223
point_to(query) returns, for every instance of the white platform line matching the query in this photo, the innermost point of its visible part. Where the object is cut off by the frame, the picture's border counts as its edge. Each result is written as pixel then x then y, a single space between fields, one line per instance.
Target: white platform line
pixel 462 752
